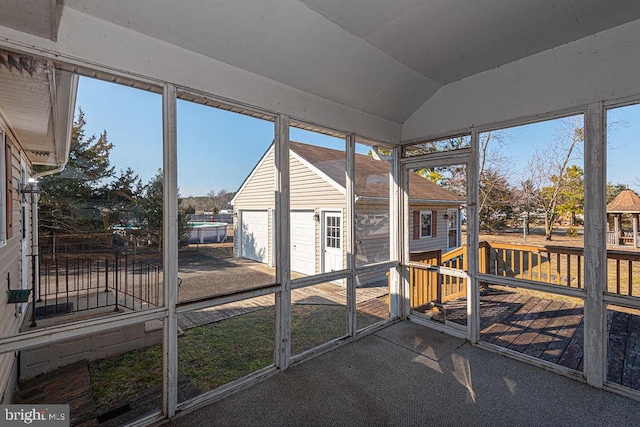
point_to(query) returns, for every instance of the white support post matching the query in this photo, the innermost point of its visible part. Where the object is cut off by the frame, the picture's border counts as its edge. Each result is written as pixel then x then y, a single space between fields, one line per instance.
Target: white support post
pixel 282 246
pixel 35 252
pixel 396 247
pixel 595 249
pixel 473 222
pixel 170 250
pixel 350 233
pixel 405 285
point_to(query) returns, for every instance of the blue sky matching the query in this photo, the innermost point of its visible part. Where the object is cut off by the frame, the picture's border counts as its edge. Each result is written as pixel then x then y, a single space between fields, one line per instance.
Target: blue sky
pixel 218 149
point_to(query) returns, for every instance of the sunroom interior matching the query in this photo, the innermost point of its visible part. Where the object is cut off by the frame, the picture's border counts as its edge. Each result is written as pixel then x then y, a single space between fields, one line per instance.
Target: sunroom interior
pixel 429 89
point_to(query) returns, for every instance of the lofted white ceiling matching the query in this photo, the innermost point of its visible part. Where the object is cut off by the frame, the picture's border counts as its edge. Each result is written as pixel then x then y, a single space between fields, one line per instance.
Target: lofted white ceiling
pixel 383 57
pixel 39 18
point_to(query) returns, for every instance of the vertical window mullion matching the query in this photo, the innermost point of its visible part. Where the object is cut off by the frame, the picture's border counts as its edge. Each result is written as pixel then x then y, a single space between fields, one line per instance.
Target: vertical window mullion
pixel 170 249
pixel 283 245
pixel 595 249
pixel 349 233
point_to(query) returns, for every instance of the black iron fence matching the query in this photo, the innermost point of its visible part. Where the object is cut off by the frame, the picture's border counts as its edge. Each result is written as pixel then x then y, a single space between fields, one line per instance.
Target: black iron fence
pixel 72 282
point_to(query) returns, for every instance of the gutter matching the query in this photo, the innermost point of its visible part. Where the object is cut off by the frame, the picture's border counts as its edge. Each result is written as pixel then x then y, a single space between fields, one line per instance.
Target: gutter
pixel 58 169
pixel 65 84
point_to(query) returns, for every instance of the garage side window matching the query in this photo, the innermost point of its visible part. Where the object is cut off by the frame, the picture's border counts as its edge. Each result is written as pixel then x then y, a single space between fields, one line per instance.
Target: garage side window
pixel 426 222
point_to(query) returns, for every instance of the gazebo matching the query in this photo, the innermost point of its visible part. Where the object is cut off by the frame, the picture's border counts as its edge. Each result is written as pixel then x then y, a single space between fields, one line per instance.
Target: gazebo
pixel 627 202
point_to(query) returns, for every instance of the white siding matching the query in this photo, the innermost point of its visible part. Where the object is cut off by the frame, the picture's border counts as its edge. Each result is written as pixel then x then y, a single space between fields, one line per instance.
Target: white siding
pixel 309 190
pixel 11 266
pixel 258 191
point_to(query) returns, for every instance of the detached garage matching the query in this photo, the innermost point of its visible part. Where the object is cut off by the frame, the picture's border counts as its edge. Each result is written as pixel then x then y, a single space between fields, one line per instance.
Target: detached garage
pixel 318 206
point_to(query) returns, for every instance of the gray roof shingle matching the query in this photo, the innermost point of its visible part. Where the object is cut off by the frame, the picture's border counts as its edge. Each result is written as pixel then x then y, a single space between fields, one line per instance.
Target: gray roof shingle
pixel 371 174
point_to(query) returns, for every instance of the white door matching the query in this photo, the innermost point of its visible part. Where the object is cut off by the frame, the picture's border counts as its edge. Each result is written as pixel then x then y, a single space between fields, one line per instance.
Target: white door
pixel 303 242
pixel 254 235
pixel 332 257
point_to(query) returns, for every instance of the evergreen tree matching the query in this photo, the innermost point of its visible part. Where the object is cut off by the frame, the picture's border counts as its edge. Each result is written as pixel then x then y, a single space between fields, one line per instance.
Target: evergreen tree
pixel 68 202
pixel 123 196
pixel 151 211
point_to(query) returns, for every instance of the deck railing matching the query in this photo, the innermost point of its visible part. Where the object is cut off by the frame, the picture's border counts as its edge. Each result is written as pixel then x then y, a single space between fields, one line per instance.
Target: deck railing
pixel 548 264
pixel 555 265
pixel 72 283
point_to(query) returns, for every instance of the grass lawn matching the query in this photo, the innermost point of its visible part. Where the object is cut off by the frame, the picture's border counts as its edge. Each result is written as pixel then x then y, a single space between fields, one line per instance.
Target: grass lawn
pixel 215 354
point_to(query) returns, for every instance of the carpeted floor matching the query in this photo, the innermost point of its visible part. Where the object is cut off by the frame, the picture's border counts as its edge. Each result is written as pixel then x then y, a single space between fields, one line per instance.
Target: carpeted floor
pixel 406 375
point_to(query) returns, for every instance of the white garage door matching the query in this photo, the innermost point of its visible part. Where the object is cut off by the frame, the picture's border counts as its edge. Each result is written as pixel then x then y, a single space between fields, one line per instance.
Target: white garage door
pixel 303 242
pixel 254 235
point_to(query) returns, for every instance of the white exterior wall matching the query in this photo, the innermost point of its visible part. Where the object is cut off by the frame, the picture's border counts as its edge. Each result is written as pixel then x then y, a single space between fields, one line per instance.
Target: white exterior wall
pixel 600 67
pixel 11 264
pixel 310 190
pixel 258 192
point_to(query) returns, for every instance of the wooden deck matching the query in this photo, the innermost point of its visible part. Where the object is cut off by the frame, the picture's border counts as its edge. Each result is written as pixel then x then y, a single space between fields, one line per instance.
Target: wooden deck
pixel 551 329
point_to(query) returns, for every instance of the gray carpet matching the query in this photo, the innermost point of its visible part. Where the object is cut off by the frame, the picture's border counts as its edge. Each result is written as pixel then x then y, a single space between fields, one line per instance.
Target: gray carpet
pixel 407 375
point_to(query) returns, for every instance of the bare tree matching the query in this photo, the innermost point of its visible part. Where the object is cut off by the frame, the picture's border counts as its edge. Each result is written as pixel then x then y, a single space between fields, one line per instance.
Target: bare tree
pixel 220 199
pixel 496 197
pixel 547 170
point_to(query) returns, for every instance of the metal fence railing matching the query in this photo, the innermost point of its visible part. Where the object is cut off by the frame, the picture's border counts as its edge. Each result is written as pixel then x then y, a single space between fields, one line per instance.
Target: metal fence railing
pixel 72 282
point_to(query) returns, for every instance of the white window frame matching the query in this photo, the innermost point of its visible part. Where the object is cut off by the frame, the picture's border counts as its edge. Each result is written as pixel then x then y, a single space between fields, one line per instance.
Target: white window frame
pixel 430 213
